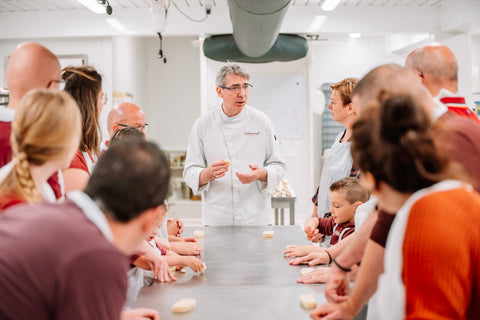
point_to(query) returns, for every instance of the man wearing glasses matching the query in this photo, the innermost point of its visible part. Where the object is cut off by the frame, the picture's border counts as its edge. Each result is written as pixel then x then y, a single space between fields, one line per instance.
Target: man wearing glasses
pixel 126 115
pixel 233 158
pixel 31 66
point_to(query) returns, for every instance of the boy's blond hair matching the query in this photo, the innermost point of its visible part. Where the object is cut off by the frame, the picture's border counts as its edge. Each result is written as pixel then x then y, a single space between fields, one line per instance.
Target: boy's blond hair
pixel 353 191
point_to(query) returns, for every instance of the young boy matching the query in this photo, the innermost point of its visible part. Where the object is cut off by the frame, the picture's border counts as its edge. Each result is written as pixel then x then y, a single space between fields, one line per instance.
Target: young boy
pixel 345 196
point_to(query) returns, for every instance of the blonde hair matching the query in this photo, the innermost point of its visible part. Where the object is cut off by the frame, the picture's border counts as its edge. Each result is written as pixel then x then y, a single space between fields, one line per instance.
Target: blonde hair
pixel 345 89
pixel 43 129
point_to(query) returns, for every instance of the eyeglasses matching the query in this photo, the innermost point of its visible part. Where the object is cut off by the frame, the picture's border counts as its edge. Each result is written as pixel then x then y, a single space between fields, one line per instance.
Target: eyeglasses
pixel 104 99
pixel 61 84
pixel 144 128
pixel 237 89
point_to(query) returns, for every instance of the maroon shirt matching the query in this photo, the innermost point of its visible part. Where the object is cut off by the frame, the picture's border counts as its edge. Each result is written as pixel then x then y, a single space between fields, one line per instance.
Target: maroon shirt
pixel 327 226
pixel 5 147
pixel 6 156
pixel 56 264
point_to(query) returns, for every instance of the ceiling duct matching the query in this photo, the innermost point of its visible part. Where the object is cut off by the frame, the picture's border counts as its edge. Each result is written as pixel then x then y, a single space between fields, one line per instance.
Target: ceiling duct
pixel 256 24
pixel 287 47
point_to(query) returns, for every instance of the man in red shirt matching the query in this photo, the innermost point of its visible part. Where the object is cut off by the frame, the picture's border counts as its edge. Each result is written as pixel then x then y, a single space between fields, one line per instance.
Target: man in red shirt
pixel 437 67
pixel 31 66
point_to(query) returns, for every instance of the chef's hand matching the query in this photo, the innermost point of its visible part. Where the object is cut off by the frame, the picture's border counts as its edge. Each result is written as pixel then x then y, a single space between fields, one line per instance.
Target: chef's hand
pixel 139 314
pixel 255 174
pixel 216 170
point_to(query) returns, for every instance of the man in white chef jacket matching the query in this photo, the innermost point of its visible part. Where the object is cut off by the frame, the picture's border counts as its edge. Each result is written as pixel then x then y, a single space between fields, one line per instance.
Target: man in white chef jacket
pixel 233 157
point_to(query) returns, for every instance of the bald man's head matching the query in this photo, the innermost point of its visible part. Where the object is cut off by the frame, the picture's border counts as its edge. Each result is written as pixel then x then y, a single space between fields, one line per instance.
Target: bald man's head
pixel 125 114
pixel 437 67
pixel 386 81
pixel 31 66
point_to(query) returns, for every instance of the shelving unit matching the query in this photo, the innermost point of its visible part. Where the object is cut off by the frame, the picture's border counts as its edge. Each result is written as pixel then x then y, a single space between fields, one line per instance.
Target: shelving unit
pixel 180 196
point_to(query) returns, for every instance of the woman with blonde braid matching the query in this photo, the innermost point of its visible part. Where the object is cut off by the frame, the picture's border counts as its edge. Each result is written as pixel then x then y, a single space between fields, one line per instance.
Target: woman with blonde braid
pixel 84 84
pixel 45 135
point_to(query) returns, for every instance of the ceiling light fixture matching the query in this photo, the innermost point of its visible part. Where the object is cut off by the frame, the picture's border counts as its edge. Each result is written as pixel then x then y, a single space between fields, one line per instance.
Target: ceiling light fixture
pixel 93 5
pixel 329 5
pixel 355 35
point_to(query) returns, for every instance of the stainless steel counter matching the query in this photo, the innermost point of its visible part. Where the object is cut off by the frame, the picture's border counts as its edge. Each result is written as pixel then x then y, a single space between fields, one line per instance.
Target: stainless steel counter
pixel 247 277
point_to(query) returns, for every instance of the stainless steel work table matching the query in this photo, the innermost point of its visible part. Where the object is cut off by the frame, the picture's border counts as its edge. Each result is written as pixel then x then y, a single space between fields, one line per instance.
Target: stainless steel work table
pixel 247 277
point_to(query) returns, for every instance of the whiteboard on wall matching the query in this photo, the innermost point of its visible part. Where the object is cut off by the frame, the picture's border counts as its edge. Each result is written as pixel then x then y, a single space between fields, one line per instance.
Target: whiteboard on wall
pixel 281 97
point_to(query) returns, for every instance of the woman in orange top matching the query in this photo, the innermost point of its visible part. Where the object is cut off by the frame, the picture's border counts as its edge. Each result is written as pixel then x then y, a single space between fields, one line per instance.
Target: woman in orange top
pixel 432 261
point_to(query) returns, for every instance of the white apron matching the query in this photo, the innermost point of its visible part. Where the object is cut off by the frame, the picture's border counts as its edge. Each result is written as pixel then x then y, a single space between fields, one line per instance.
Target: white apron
pixel 337 165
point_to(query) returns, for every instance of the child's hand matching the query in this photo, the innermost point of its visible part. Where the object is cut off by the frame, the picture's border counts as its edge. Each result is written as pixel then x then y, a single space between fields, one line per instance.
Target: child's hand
pixel 194 263
pixel 311 227
pixel 189 239
pixel 174 227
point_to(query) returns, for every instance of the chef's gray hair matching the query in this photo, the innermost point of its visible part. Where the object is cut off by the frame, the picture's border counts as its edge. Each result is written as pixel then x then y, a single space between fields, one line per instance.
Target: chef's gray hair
pixel 229 69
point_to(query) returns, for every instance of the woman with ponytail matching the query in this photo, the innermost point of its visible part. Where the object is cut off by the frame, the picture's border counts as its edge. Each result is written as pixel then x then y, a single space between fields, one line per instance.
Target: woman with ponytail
pixel 432 262
pixel 84 84
pixel 45 135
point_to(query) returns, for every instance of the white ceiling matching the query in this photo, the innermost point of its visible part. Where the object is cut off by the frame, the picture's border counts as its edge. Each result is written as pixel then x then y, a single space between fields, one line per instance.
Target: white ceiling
pixel 56 5
pixel 20 19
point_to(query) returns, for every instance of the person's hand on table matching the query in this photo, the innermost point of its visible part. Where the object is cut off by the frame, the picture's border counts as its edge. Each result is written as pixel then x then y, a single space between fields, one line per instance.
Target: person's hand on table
pixel 189 239
pixel 297 251
pixel 194 263
pixel 338 285
pixel 139 314
pixel 318 275
pixel 186 248
pixel 333 311
pixel 161 270
pixel 255 174
pixel 312 259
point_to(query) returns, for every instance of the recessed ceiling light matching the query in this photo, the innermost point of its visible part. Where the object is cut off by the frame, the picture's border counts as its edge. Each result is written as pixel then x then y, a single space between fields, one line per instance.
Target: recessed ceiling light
pixel 93 5
pixel 330 5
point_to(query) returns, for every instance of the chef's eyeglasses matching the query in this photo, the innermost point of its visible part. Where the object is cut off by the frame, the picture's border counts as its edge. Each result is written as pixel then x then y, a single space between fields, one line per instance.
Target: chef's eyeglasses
pixel 143 128
pixel 237 89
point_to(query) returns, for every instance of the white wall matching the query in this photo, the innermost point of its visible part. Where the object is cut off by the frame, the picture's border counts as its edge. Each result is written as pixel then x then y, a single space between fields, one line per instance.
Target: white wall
pixel 476 65
pixel 173 91
pixel 97 50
